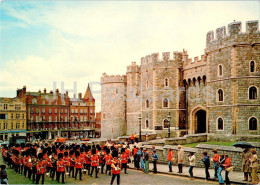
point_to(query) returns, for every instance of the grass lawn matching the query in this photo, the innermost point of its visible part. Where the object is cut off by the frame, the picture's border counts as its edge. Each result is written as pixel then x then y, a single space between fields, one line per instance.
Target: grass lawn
pixel 193 145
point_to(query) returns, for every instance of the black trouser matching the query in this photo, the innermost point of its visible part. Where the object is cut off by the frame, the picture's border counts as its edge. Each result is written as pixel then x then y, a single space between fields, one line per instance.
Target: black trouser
pixel 25 171
pixel 71 171
pixel 180 168
pixel 113 178
pixel 155 166
pixel 108 168
pixel 34 171
pixel 62 176
pixel 124 166
pixel 80 173
pixel 88 168
pixel 102 167
pixel 38 177
pixel 21 169
pixel 207 172
pixel 29 173
pixel 96 171
pixel 53 171
pixel 227 178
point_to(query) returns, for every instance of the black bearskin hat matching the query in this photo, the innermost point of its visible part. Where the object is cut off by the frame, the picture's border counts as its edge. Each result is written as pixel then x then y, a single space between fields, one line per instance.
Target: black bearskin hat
pixel 60 155
pixel 114 153
pixel 93 151
pixel 122 150
pixel 77 153
pixel 40 156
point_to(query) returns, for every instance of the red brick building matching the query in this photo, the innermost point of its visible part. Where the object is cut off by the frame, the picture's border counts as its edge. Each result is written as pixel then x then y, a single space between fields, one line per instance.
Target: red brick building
pixel 82 115
pixel 47 113
pixel 51 115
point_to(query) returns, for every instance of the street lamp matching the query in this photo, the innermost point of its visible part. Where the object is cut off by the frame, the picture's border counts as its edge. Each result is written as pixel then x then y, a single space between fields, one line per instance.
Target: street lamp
pixel 169 127
pixel 140 128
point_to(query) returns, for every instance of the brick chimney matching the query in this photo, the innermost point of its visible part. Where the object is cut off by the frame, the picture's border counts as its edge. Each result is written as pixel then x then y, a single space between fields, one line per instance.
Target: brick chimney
pixel 44 90
pixel 80 96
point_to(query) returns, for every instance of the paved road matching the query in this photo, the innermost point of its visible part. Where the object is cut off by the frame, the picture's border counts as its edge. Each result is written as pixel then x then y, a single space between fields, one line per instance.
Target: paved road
pixel 139 178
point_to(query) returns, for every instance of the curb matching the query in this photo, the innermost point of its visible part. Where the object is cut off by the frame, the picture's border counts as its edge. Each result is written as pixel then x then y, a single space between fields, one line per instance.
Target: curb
pixel 187 176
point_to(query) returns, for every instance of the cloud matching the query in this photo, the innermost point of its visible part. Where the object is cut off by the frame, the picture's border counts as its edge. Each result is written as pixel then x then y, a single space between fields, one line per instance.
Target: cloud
pixel 79 41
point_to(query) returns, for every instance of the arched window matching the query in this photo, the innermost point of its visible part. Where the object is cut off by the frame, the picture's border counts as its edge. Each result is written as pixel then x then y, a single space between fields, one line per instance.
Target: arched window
pixel 252 93
pixel 165 103
pixel 147 124
pixel 220 124
pixel 147 84
pixel 220 95
pixel 253 123
pixel 147 103
pixel 166 82
pixel 165 123
pixel 252 66
pixel 220 70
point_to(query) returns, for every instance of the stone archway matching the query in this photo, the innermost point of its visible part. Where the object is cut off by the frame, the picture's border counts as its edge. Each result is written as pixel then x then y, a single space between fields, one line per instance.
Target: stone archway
pixel 199 121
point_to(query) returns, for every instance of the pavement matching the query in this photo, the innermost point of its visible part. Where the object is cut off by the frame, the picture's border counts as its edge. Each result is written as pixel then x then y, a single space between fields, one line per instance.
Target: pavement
pixel 198 173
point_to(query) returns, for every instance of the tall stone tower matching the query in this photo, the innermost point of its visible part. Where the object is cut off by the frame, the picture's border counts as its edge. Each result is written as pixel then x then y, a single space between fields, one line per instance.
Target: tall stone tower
pixel 113 106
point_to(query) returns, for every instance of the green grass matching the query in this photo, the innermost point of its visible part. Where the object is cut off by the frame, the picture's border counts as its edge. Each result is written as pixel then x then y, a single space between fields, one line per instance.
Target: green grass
pixel 193 145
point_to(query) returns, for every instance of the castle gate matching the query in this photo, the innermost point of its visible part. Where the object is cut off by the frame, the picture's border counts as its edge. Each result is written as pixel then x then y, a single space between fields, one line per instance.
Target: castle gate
pixel 199 121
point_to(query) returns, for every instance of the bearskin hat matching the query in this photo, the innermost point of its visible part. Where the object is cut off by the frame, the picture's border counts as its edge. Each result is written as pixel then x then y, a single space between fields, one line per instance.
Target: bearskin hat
pixel 93 151
pixel 77 153
pixel 114 153
pixel 122 150
pixel 40 156
pixel 60 155
pixel 66 154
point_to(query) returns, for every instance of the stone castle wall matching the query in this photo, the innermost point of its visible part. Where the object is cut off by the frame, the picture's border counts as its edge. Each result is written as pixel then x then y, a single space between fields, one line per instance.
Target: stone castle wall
pixel 193 86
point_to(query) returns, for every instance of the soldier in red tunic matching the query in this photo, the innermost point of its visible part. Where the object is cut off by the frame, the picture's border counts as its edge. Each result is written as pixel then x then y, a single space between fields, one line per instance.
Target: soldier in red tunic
pixel 60 168
pixel 116 167
pixel 78 165
pixel 108 158
pixel 72 164
pixel 124 159
pixel 40 166
pixel 94 162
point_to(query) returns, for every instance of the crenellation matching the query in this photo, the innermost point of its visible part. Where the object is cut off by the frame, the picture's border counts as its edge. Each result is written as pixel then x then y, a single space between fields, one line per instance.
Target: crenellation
pixel 252 26
pixel 210 37
pixel 221 32
pixel 234 28
pixel 148 59
pixel 166 55
pixel 154 57
pixel 113 78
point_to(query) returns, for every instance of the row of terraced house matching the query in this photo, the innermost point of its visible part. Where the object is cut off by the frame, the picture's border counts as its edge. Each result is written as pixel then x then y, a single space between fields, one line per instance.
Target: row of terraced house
pixel 48 115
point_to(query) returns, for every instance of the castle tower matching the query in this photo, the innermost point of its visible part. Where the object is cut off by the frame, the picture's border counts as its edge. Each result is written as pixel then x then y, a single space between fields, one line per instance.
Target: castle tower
pixel 133 100
pixel 113 106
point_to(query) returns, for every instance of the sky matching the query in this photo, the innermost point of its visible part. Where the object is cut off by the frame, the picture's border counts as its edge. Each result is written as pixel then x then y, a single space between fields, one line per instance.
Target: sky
pixel 47 43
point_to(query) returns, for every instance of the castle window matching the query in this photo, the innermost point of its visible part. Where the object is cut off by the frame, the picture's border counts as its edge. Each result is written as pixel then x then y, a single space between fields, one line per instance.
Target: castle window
pixel 220 95
pixel 253 123
pixel 165 123
pixel 166 82
pixel 165 103
pixel 252 93
pixel 252 66
pixel 147 84
pixel 34 101
pixel 146 124
pixel 220 124
pixel 220 70
pixel 147 103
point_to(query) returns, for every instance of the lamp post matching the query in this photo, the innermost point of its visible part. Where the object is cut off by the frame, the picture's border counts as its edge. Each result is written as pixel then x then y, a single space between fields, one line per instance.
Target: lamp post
pixel 140 128
pixel 169 127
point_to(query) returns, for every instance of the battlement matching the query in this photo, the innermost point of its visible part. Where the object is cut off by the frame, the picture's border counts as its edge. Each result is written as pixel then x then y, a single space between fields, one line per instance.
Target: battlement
pixel 165 56
pixel 196 60
pixel 133 68
pixel 234 29
pixel 113 78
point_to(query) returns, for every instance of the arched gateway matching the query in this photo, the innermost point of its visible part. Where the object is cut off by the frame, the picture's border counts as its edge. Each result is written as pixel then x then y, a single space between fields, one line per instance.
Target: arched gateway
pixel 199 121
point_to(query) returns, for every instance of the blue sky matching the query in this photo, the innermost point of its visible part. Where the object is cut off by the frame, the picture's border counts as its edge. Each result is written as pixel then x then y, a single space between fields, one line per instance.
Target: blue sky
pixel 52 41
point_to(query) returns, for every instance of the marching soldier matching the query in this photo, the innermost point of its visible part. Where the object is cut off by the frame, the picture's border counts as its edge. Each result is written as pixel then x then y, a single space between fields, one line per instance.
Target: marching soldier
pixel 72 164
pixel 94 162
pixel 116 167
pixel 60 168
pixel 40 166
pixel 108 158
pixel 124 159
pixel 78 165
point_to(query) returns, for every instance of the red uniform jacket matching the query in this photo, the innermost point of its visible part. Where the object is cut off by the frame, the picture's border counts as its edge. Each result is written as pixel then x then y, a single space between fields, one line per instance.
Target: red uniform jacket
pixel 116 171
pixel 123 158
pixel 127 152
pixel 67 161
pixel 40 167
pixel 78 162
pixel 94 160
pixel 108 159
pixel 60 166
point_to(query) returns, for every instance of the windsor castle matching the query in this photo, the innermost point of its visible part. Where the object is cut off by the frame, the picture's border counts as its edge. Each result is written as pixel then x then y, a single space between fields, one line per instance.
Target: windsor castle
pixel 217 92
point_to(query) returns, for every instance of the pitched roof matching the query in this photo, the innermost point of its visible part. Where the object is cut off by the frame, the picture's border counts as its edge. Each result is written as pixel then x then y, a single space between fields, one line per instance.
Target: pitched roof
pixel 88 95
